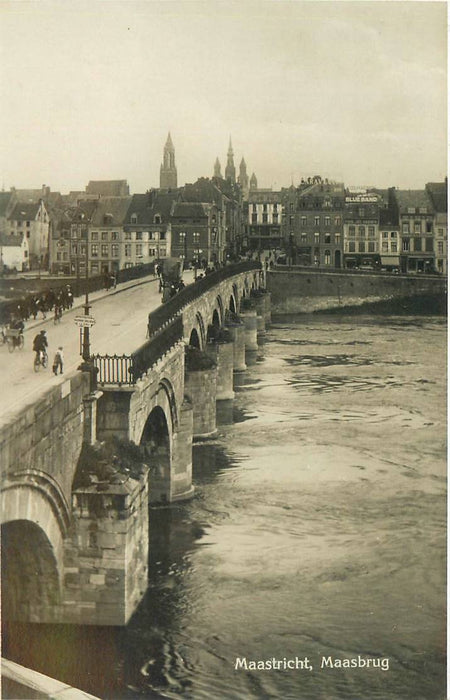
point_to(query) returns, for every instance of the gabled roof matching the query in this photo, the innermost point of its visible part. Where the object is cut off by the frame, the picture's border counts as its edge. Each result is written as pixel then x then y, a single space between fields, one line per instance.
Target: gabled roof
pixel 111 211
pixel 13 241
pixel 204 190
pixel 108 188
pixel 5 202
pixel 413 199
pixel 147 206
pixel 26 211
pixel 192 210
pixel 438 195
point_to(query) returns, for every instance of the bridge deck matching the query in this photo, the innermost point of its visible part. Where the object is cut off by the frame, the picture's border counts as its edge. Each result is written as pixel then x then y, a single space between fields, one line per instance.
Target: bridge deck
pixel 121 326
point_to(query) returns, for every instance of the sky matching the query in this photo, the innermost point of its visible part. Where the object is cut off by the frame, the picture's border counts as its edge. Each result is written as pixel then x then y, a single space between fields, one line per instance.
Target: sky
pixel 352 91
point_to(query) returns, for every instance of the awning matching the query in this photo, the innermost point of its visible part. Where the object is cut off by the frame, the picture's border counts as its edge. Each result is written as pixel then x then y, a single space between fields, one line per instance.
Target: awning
pixel 390 260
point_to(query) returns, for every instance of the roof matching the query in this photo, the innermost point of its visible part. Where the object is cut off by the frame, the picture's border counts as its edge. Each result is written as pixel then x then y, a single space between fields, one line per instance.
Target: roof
pixel 203 190
pixel 388 217
pixel 192 210
pixel 111 211
pixel 147 206
pixel 5 200
pixel 108 188
pixel 264 196
pixel 438 195
pixel 12 241
pixel 25 211
pixel 413 199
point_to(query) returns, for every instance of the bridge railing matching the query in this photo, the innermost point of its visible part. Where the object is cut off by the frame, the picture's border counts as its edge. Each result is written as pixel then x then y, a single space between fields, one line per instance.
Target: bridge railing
pixel 162 315
pixel 125 370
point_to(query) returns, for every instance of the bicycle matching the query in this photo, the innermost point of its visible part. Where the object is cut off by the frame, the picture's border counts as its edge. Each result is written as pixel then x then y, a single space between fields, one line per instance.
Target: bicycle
pixel 40 360
pixel 14 339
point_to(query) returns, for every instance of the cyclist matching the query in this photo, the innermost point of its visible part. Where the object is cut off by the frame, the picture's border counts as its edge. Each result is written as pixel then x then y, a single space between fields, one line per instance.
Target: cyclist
pixel 40 344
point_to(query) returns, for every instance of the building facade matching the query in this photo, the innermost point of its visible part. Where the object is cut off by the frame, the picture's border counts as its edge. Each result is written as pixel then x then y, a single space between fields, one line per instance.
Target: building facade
pixel 31 220
pixel 195 233
pixel 361 230
pixel 416 220
pixel 264 218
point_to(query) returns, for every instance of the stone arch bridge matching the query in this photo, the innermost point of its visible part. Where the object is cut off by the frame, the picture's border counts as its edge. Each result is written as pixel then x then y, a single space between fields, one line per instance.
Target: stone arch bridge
pixel 81 465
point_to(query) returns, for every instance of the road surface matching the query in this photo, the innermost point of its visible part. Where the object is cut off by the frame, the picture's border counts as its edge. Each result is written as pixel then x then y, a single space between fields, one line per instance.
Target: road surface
pixel 120 328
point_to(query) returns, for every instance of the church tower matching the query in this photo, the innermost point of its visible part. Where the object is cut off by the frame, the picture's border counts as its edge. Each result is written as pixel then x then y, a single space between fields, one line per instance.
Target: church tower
pixel 217 172
pixel 230 170
pixel 253 182
pixel 243 178
pixel 168 171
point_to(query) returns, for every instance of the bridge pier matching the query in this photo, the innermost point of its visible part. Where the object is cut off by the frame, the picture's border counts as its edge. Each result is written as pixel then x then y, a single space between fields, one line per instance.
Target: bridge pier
pixel 181 463
pixel 200 385
pixel 106 553
pixel 237 332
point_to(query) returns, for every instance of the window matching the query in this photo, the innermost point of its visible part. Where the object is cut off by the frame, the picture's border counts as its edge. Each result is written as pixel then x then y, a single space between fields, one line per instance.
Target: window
pixel 303 237
pixel 384 246
pixel 385 234
pixel 94 268
pixel 361 247
pixel 83 249
pixel 275 207
pixel 429 227
pixel 327 221
pixel 393 246
pixel 317 238
pixel 361 231
pixel 371 247
pixel 157 219
pixel 196 237
pixel 264 218
pixel 429 245
pixel 115 250
pixel 162 236
pixel 405 227
pixel 139 235
pixel 417 244
pixel 182 236
pixel 28 224
pixel 291 206
pixel 371 231
pixel 337 238
pixel 405 245
pixel 264 207
pixel 134 219
pixel 440 231
pixel 417 227
pixel 152 252
pixel 351 231
pixel 440 247
pixel 127 250
pixel 291 221
pixel 104 235
pixel 105 249
pixel 317 220
pixel 74 249
pixel 114 236
pixel 351 247
pixel 254 218
pixel 337 220
pixel 327 257
pixel 128 235
pixel 393 234
pixel 275 218
pixel 253 207
pixel 304 220
pixel 139 249
pixel 94 235
pixel 58 256
pixel 94 250
pixel 328 238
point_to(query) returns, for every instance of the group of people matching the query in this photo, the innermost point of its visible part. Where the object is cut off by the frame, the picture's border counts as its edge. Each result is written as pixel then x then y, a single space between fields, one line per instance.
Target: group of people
pixel 40 345
pixel 31 305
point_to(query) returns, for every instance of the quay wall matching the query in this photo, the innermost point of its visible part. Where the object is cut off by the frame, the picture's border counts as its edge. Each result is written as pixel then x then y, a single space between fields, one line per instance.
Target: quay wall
pixel 304 291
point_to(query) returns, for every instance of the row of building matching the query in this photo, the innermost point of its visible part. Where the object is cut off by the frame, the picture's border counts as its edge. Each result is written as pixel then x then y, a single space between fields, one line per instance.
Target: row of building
pixel 319 222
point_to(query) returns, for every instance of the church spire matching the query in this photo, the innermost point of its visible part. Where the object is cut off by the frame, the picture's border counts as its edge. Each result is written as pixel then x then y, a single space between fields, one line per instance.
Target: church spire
pixel 230 170
pixel 217 172
pixel 168 171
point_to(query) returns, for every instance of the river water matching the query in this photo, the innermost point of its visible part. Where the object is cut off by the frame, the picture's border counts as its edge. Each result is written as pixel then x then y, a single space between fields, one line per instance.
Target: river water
pixel 318 530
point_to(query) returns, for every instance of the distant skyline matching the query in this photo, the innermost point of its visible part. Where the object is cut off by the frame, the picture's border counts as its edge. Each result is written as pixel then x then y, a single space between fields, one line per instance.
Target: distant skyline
pixel 352 91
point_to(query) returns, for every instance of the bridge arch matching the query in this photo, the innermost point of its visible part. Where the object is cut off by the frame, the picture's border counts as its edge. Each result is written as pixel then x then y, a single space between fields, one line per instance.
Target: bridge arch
pixel 194 339
pixel 32 547
pixel 220 310
pixel 155 444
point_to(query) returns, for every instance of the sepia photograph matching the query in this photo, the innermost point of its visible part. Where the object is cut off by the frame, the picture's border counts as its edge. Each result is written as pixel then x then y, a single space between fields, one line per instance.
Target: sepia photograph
pixel 223 349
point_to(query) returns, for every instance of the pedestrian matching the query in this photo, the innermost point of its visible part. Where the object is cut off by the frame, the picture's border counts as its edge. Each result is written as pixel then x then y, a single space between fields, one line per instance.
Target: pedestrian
pixel 58 361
